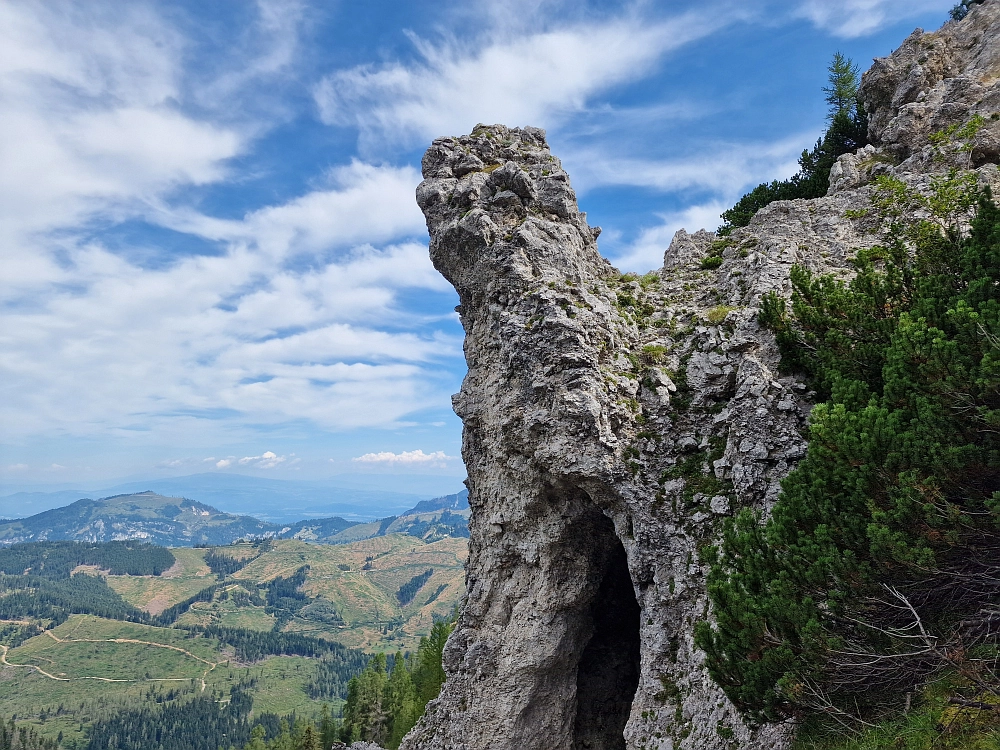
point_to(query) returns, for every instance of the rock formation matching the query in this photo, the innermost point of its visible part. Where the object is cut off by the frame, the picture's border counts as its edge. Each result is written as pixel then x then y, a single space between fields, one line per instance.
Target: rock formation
pixel 612 421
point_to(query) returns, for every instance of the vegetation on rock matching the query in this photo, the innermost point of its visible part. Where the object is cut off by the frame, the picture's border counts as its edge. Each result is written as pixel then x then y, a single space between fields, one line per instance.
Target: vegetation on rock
pixel 877 571
pixel 961 9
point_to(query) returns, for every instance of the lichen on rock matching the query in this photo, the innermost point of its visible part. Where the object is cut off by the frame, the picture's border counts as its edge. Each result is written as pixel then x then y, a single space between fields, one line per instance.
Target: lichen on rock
pixel 613 420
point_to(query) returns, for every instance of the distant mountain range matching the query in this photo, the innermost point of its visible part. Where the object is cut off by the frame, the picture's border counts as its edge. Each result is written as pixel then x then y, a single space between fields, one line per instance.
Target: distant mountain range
pixel 458 501
pixel 181 522
pixel 357 497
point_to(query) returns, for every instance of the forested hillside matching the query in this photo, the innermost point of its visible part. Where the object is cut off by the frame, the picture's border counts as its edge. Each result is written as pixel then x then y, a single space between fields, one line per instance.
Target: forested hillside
pixel 127 644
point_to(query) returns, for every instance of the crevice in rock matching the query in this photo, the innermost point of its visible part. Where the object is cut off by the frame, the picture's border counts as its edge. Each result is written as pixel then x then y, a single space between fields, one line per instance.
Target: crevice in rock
pixel 608 670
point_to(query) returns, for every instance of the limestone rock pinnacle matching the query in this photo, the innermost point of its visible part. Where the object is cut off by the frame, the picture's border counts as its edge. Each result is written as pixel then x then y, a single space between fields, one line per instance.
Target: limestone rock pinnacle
pixel 612 421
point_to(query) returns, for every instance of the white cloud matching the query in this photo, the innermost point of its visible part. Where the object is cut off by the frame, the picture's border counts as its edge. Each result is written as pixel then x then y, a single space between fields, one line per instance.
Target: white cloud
pixel 363 203
pixel 91 124
pixel 266 460
pixel 646 252
pixel 406 458
pixel 268 49
pixel 721 168
pixel 223 463
pixel 724 172
pixel 854 18
pixel 283 323
pixel 219 333
pixel 531 79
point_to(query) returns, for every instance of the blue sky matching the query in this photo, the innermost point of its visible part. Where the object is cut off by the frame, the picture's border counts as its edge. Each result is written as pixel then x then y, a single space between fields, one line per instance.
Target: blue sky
pixel 212 260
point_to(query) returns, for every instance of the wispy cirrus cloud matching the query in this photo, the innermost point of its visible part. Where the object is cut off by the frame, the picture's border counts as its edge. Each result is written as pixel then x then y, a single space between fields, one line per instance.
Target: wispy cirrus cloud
pixel 358 203
pixel 724 168
pixel 225 333
pixel 525 79
pixel 854 18
pixel 282 315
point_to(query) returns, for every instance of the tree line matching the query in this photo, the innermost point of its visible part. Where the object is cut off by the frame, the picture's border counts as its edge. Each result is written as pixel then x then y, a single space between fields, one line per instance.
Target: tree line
pixel 409 589
pixel 14 737
pixel 56 560
pixel 55 600
pixel 254 645
pixel 225 565
pixel 196 724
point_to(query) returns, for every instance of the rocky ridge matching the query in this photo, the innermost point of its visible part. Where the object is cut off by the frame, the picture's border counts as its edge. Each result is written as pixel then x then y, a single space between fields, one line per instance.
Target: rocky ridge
pixel 612 421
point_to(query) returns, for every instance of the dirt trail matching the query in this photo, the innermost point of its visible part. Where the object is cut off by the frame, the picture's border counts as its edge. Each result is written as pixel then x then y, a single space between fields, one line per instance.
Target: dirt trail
pixel 128 640
pixel 211 664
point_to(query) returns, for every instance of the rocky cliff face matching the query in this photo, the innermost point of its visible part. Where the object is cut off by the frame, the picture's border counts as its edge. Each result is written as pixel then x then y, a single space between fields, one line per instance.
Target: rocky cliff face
pixel 613 421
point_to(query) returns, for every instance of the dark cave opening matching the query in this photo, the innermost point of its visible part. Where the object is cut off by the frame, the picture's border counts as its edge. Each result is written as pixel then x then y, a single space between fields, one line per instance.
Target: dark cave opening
pixel 608 671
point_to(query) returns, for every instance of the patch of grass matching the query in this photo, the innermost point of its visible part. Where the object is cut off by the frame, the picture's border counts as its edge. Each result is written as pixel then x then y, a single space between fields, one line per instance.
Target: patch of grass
pixel 625 299
pixel 933 723
pixel 654 354
pixel 154 594
pixel 68 704
pixel 649 279
pixel 718 314
pixel 281 683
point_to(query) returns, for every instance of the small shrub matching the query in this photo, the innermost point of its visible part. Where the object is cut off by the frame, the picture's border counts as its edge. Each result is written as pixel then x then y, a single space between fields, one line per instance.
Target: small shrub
pixel 654 354
pixel 649 279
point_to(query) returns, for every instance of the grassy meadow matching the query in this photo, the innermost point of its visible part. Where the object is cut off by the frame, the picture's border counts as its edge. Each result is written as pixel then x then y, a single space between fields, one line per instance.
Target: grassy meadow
pixel 89 667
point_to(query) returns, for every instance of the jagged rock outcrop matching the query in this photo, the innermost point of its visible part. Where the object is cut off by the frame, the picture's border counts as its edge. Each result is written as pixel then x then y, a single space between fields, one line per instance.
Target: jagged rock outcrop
pixel 612 421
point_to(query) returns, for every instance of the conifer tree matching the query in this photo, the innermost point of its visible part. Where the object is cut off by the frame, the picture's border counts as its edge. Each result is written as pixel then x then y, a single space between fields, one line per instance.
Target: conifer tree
pixel 842 93
pixel 310 739
pixel 327 728
pixel 961 10
pixel 382 708
pixel 401 701
pixel 847 132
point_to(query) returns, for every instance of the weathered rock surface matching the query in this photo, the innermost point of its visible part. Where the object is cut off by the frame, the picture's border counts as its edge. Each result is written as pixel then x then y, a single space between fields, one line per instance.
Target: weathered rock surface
pixel 612 421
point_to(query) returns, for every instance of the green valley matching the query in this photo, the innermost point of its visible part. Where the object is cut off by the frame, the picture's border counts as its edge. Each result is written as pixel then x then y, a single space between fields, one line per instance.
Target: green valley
pixel 97 634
